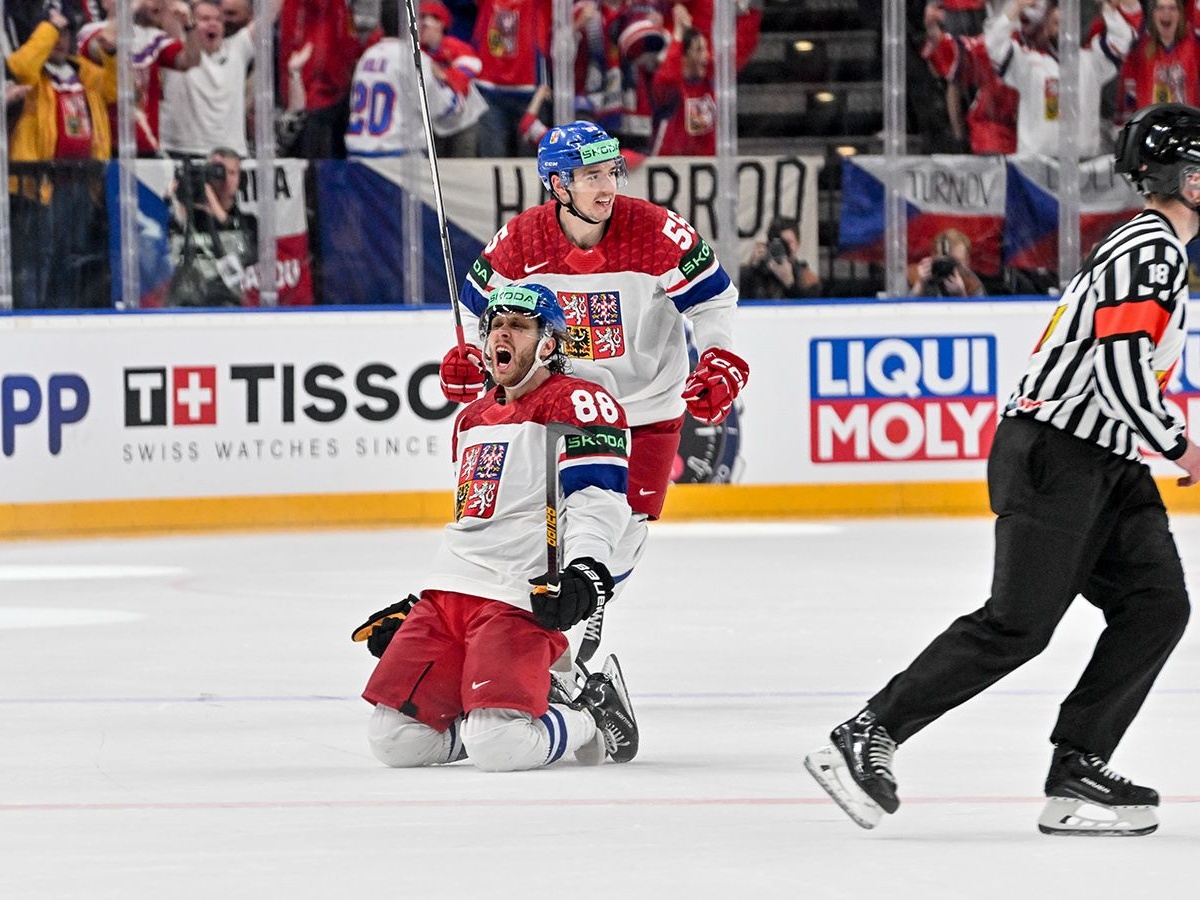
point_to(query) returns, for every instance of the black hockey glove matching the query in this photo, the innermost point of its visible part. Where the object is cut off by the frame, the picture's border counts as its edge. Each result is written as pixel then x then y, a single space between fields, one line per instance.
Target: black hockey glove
pixel 585 585
pixel 381 626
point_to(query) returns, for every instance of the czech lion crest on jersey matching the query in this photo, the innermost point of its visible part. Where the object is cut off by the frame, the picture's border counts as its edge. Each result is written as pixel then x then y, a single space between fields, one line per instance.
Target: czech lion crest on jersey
pixel 594 324
pixel 479 480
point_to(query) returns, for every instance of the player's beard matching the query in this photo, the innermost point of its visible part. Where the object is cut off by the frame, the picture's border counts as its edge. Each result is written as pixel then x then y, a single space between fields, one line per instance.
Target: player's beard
pixel 520 362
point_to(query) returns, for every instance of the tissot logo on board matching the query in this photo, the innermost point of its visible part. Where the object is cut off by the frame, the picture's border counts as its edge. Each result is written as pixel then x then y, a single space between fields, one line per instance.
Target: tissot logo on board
pixel 271 393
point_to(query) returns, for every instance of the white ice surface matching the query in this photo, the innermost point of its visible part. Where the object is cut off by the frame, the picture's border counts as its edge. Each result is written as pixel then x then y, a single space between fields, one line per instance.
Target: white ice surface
pixel 198 732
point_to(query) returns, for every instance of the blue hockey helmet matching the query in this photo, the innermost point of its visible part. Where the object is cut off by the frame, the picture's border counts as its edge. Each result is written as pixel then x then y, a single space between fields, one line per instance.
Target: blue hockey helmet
pixel 565 148
pixel 533 300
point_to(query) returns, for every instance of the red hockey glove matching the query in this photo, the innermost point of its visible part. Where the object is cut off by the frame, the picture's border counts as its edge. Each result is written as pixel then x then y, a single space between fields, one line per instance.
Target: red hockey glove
pixel 462 373
pixel 710 391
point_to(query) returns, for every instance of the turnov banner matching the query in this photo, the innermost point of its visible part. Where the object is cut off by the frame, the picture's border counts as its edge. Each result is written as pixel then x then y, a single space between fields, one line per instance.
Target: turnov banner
pixel 1007 206
pixel 940 192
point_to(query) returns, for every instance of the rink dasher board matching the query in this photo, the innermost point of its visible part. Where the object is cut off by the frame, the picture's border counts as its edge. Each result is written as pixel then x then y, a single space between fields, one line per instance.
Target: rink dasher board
pixel 206 420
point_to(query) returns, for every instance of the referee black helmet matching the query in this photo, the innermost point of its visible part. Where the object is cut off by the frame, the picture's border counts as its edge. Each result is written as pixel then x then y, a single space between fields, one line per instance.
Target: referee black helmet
pixel 1158 150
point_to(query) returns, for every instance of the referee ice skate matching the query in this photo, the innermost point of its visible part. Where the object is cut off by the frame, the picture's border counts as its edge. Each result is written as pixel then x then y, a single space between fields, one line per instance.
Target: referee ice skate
pixel 1077 514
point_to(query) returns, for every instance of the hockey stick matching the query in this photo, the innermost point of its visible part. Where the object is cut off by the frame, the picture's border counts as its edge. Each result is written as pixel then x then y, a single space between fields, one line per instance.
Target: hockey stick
pixel 556 432
pixel 439 204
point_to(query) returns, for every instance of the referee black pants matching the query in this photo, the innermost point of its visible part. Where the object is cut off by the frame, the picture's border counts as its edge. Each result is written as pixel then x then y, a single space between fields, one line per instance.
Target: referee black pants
pixel 1072 518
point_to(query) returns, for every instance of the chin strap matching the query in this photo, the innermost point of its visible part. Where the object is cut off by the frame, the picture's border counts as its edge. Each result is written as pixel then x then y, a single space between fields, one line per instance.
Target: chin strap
pixel 570 207
pixel 538 363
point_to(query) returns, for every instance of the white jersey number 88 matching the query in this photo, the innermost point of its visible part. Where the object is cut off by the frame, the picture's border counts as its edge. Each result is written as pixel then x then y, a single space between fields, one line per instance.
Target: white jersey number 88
pixel 589 407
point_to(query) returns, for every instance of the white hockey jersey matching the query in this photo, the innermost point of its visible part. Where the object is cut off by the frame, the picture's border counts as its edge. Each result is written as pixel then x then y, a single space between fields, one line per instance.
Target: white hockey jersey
pixel 624 299
pixel 497 541
pixel 384 116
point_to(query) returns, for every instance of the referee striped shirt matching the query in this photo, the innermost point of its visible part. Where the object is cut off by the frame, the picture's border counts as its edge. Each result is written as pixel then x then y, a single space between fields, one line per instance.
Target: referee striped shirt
pixel 1099 370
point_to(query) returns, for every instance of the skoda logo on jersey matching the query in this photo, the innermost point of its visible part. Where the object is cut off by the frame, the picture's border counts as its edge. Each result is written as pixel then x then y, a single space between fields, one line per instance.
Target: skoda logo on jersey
pixel 594 324
pixel 479 480
pixel 902 399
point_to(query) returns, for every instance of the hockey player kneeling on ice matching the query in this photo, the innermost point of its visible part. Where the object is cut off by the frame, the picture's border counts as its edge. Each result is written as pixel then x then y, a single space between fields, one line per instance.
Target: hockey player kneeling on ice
pixel 464 670
pixel 1077 513
pixel 628 274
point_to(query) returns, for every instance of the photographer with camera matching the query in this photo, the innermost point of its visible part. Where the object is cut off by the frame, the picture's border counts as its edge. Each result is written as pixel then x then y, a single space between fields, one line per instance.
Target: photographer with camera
pixel 947 273
pixel 212 241
pixel 775 270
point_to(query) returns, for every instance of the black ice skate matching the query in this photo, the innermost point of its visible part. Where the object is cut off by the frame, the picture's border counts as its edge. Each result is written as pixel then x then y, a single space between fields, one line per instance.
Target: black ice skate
pixel 855 769
pixel 1085 797
pixel 605 697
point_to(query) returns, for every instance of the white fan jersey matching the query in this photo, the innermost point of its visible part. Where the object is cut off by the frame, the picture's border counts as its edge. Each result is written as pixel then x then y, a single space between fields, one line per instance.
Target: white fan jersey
pixel 385 119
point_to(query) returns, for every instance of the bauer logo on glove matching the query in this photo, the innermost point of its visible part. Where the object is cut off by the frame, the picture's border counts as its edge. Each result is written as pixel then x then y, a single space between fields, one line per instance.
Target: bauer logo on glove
pixel 584 585
pixel 710 390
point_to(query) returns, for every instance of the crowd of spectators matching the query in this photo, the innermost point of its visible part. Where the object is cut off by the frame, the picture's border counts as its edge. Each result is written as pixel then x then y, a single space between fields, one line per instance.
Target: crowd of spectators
pixel 998 67
pixel 643 71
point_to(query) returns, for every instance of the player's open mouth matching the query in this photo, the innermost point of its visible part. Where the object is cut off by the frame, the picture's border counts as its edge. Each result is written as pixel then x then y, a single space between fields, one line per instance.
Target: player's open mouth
pixel 503 358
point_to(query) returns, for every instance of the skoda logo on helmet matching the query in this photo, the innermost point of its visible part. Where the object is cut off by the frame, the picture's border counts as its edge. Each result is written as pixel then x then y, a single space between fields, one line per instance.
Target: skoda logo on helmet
pixel 568 147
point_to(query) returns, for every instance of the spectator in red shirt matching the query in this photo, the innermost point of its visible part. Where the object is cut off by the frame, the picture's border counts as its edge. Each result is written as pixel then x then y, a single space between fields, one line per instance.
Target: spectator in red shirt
pixel 512 38
pixel 329 28
pixel 685 108
pixel 1164 64
pixel 963 62
pixel 456 65
pixel 65 118
pixel 65 114
pixel 748 23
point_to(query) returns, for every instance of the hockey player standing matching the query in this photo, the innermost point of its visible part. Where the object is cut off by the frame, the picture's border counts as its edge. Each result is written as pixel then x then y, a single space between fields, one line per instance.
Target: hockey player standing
pixel 468 674
pixel 625 272
pixel 1078 513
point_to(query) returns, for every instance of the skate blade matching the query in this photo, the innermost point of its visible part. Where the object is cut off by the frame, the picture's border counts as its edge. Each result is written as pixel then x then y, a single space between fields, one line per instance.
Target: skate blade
pixel 826 765
pixel 612 668
pixel 1071 817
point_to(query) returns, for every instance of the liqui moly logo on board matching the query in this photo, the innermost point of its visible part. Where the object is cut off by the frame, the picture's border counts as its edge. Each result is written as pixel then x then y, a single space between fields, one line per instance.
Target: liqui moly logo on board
pixel 902 399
